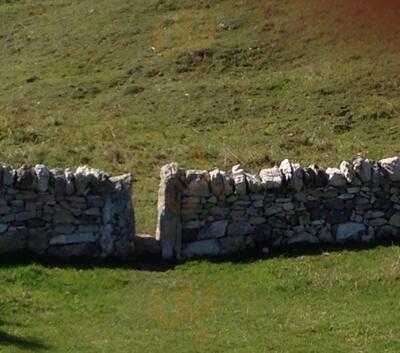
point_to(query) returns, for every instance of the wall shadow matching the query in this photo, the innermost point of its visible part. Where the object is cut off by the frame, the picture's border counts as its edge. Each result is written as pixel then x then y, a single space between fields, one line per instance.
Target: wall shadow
pixel 28 344
pixel 153 263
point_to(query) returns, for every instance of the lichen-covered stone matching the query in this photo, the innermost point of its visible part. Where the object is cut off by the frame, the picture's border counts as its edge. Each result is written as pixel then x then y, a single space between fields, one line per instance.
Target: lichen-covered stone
pixel 271 178
pixel 42 175
pixel 391 167
pixel 335 177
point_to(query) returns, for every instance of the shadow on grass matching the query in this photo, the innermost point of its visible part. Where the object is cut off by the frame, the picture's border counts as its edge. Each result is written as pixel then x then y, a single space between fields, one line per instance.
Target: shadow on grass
pixel 29 344
pixel 153 263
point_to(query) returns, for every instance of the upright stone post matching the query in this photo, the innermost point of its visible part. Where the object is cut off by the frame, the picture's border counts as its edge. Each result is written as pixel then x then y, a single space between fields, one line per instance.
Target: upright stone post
pixel 169 227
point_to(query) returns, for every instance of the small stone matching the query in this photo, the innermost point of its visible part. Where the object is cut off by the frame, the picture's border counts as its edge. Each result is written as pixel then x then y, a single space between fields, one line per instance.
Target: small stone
pixel 272 210
pixel 395 220
pixel 3 228
pixel 353 190
pixel 239 228
pixel 64 228
pixel 93 211
pixel 42 175
pixel 348 171
pixel 293 174
pixel 239 179
pixel 303 238
pixel 363 169
pixel 392 167
pixel 346 196
pixel 265 251
pixel 214 230
pixel 25 178
pixel 325 235
pixel 350 232
pixel 377 222
pixel 75 238
pixel 288 206
pixel 8 175
pixel 193 225
pixel 253 182
pixel 335 177
pixel 201 248
pixel 257 220
pixel 69 181
pixel 374 214
pixel 271 178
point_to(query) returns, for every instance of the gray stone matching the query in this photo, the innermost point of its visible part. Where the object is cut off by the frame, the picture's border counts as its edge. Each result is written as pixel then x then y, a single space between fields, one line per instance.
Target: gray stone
pixel 363 169
pixel 75 238
pixel 325 235
pixel 69 176
pixel 377 174
pixel 214 230
pixel 42 175
pixel 293 174
pixel 271 178
pixel 377 222
pixel 369 237
pixel 63 216
pixel 169 227
pixel 395 220
pixel 193 224
pixel 3 228
pixel 201 248
pixel 272 210
pixel 87 179
pixel 239 228
pixel 64 228
pixel 217 183
pixel 374 214
pixel 197 183
pixel 347 170
pixel 8 175
pixel 239 180
pixel 253 182
pixel 387 232
pixel 392 167
pixel 302 238
pixel 257 220
pixel 336 177
pixel 25 178
pixel 231 245
pixel 350 232
pixel 93 211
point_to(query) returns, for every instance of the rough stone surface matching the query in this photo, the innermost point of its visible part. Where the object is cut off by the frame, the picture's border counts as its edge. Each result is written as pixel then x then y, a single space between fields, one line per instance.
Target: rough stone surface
pixel 350 232
pixel 290 206
pixel 54 213
pixel 202 248
pixel 336 177
pixel 271 178
pixel 392 167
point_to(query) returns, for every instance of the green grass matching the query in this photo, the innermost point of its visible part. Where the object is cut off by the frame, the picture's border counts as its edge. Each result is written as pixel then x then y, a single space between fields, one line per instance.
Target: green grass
pixel 340 302
pixel 131 85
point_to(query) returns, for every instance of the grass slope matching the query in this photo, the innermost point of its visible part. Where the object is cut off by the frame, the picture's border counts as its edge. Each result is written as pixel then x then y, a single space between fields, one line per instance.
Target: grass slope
pixel 131 85
pixel 341 302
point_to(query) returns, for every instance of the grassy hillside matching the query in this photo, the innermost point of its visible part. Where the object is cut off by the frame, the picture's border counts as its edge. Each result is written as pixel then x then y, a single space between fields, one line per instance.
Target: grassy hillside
pixel 341 302
pixel 129 85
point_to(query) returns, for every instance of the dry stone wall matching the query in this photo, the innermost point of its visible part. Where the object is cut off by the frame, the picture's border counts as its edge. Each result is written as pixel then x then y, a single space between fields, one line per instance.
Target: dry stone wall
pixel 215 213
pixel 65 213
